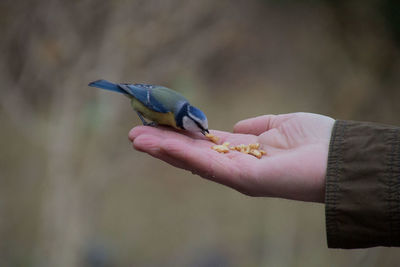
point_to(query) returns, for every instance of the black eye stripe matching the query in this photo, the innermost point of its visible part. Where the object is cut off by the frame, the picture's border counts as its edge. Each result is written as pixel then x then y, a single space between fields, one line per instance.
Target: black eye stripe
pixel 198 124
pixel 195 121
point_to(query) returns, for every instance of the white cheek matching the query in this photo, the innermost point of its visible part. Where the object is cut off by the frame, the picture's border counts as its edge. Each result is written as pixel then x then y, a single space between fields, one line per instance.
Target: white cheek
pixel 190 125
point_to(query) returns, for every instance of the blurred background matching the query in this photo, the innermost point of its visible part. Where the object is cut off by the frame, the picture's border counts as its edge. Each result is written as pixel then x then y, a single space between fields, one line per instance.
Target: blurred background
pixel 73 192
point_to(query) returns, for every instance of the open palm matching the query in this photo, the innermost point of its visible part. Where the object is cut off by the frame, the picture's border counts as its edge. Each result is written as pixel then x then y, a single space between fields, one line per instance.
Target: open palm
pixel 295 165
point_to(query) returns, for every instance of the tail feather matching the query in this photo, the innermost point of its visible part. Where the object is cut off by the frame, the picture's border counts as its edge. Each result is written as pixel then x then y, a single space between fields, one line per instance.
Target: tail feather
pixel 103 84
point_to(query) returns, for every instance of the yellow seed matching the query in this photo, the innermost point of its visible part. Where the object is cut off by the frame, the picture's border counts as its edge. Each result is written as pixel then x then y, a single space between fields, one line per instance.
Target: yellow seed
pixel 252 149
pixel 213 138
pixel 220 148
pixel 255 153
pixel 254 146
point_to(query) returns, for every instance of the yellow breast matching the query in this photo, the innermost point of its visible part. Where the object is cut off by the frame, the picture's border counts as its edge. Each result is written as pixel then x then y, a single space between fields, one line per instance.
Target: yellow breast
pixel 158 117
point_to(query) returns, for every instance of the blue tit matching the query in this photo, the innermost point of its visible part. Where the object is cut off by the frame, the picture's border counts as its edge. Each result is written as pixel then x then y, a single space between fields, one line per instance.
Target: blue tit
pixel 160 105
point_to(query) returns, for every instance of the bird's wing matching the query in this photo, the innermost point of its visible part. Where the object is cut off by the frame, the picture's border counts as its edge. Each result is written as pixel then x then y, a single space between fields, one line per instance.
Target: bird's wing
pixel 144 94
pixel 171 99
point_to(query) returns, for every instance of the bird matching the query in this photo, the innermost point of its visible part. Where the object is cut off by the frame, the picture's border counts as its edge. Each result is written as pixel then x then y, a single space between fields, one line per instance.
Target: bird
pixel 160 105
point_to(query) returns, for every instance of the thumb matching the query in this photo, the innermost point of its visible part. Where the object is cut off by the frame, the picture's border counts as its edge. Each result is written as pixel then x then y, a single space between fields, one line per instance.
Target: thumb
pixel 256 125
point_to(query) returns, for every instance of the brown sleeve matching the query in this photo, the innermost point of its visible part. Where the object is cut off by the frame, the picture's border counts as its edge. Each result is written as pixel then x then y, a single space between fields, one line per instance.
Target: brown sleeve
pixel 362 200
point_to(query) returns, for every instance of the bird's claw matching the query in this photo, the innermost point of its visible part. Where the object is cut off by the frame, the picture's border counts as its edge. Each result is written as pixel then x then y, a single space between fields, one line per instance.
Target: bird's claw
pixel 150 123
pixel 145 123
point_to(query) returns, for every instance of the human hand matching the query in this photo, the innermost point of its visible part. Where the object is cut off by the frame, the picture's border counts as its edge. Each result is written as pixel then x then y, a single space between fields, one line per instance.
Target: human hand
pixel 297 147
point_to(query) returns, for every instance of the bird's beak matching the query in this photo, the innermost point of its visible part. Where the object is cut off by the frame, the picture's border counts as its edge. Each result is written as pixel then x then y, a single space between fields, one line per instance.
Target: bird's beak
pixel 205 131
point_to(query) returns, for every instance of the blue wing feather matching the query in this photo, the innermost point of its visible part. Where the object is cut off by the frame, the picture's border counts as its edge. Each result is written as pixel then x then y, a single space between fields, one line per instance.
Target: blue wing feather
pixel 142 92
pixel 148 94
pixel 103 84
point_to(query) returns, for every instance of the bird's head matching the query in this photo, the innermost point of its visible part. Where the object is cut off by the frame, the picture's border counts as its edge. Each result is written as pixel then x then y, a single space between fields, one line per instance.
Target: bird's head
pixel 193 119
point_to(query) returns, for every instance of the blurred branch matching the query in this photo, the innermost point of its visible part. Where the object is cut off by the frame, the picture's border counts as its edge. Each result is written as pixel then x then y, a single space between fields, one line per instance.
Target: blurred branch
pixel 14 103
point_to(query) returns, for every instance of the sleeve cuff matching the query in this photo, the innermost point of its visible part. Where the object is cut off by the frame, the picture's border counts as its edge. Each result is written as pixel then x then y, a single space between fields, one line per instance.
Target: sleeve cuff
pixel 362 199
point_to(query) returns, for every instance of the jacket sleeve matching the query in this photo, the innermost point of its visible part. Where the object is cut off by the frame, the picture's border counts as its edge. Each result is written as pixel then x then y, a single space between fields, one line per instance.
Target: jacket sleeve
pixel 362 199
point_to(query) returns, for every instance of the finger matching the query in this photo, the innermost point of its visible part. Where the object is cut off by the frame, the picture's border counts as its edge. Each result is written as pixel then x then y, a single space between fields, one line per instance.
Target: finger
pixel 196 155
pixel 171 147
pixel 167 132
pixel 187 153
pixel 136 131
pixel 234 139
pixel 159 130
pixel 164 132
pixel 151 145
pixel 256 125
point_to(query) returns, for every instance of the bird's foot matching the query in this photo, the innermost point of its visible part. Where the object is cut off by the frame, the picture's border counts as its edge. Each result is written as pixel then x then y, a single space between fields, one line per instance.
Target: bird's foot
pixel 145 123
pixel 150 123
